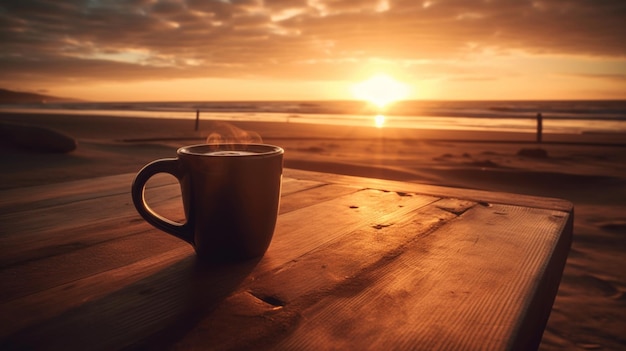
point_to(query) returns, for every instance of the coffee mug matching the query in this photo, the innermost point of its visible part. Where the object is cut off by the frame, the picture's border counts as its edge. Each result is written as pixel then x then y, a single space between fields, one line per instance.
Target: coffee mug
pixel 230 194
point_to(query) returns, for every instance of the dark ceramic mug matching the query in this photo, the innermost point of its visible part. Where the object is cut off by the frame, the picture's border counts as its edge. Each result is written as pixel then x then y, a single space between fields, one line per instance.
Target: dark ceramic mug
pixel 230 194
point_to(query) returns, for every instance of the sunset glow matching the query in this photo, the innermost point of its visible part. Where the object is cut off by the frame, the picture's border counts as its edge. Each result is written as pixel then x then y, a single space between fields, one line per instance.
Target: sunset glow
pixel 380 90
pixel 314 50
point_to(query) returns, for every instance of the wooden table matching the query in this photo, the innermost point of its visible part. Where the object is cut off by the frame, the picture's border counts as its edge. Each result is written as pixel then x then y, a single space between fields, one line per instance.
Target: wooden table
pixel 355 264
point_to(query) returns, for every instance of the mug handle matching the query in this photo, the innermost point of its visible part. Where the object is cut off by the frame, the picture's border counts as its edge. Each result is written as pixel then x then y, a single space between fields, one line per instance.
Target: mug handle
pixel 166 165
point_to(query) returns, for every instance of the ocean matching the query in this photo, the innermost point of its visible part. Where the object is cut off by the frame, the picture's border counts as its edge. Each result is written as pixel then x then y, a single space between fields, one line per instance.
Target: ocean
pixel 569 117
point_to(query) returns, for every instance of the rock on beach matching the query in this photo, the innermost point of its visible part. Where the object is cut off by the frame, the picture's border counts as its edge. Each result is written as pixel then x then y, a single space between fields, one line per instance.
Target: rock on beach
pixel 37 139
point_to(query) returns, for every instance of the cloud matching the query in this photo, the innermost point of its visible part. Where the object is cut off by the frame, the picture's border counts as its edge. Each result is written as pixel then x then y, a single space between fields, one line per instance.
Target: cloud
pixel 301 39
pixel 611 77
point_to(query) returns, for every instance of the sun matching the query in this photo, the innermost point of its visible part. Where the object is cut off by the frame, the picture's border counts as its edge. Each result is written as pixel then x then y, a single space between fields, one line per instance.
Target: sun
pixel 380 90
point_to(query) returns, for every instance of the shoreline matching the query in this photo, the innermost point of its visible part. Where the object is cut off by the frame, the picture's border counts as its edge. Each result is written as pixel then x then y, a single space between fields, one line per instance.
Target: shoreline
pixel 147 128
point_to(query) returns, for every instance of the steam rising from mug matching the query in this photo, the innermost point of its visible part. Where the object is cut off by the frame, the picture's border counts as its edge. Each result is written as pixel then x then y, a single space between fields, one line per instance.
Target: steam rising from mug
pixel 225 133
pixel 230 188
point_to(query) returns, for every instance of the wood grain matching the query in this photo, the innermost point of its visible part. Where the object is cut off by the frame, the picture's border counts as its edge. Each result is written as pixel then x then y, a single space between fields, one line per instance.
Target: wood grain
pixel 456 287
pixel 433 190
pixel 355 263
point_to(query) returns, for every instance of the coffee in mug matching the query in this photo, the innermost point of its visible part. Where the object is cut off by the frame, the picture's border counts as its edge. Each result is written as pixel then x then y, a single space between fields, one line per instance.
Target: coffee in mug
pixel 230 194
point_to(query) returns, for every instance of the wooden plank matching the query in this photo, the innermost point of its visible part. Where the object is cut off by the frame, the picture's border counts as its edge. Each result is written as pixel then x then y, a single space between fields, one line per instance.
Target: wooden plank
pixel 94 288
pixel 50 195
pixel 32 234
pixel 47 304
pixel 291 185
pixel 34 276
pixel 81 265
pixel 43 232
pixel 439 191
pixel 14 200
pixel 79 251
pixel 313 195
pixel 332 269
pixel 444 292
pixel 546 287
pixel 54 242
pixel 93 248
pixel 349 255
pixel 156 308
pixel 301 231
pixel 74 214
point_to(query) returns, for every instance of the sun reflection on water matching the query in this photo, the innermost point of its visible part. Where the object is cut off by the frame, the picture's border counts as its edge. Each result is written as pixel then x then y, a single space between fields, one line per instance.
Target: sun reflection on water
pixel 379 121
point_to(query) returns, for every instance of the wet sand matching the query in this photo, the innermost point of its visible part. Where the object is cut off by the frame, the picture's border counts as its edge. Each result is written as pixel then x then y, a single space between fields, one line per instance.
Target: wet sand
pixel 588 170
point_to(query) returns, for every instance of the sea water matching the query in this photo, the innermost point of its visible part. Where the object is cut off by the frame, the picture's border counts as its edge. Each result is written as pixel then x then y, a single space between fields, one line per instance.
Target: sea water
pixel 599 116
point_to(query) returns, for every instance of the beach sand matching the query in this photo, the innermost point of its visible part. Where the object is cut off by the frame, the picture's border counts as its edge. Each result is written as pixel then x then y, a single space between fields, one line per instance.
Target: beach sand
pixel 588 170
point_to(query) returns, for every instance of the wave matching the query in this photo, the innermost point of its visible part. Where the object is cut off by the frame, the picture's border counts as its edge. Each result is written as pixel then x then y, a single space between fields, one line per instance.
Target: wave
pixel 607 110
pixel 559 116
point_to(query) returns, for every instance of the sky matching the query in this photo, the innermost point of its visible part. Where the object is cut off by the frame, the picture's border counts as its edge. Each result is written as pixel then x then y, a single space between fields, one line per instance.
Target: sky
pixel 191 50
